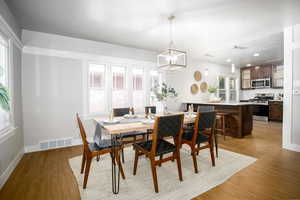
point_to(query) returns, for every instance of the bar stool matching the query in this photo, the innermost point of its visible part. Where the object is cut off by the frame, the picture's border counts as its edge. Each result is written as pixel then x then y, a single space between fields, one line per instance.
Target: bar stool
pixel 221 117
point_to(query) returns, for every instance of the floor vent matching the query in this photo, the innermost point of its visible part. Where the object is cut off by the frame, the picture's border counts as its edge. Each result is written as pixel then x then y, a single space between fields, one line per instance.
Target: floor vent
pixel 53 144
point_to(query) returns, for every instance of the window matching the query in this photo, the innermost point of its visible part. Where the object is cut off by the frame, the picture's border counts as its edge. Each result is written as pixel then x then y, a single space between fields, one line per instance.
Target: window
pixel 110 86
pixel 154 80
pixel 222 88
pixel 138 94
pixel 96 88
pixel 5 121
pixel 227 88
pixel 119 91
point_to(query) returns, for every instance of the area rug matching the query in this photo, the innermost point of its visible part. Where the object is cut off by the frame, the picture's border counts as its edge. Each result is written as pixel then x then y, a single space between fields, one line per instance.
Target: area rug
pixel 140 186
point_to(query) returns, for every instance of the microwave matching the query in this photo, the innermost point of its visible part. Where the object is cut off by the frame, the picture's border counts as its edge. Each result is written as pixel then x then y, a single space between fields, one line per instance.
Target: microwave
pixel 261 83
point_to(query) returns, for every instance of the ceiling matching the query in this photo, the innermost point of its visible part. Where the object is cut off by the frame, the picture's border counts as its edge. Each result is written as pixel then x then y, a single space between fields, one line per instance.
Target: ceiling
pixel 201 27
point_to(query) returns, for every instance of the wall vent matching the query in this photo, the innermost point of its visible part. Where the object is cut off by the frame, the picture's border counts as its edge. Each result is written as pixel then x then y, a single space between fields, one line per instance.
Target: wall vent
pixel 53 144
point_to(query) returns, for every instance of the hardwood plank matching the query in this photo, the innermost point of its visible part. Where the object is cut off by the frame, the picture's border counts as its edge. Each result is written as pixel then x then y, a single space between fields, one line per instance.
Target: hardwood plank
pixel 275 175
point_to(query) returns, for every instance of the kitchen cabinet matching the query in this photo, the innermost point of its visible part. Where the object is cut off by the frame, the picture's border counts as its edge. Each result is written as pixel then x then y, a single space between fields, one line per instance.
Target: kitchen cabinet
pixel 277 76
pixel 265 71
pixel 275 110
pixel 261 72
pixel 246 78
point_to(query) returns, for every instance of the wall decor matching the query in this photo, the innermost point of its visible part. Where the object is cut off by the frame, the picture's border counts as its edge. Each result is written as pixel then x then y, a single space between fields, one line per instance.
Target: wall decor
pixel 197 76
pixel 203 87
pixel 194 88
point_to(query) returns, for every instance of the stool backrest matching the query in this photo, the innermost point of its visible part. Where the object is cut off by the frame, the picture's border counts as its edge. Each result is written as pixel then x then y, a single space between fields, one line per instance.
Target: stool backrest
pixel 205 123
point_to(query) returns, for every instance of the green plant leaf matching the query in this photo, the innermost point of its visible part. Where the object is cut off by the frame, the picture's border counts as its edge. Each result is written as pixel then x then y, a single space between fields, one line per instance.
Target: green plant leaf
pixel 4 98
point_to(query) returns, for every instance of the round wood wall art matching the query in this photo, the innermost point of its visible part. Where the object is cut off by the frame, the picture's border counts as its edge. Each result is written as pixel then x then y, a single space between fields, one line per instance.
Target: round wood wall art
pixel 203 87
pixel 197 76
pixel 194 89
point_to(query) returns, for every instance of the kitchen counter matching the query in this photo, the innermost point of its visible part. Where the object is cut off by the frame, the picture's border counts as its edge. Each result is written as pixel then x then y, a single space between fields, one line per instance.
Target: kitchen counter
pixel 240 120
pixel 224 103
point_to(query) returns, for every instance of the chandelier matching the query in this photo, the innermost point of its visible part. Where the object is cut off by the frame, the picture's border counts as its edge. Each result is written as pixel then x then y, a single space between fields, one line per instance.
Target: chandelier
pixel 171 59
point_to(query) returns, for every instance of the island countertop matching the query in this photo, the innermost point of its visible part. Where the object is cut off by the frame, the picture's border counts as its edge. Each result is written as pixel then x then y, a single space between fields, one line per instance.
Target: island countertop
pixel 223 103
pixel 239 122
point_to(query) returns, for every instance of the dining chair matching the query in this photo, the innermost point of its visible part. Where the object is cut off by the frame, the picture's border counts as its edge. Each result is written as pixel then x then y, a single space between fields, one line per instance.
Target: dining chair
pixel 91 150
pixel 203 132
pixel 119 112
pixel 164 127
pixel 152 109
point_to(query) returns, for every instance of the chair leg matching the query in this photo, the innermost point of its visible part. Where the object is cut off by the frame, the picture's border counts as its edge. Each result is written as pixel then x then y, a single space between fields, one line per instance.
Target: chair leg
pixel 179 165
pixel 224 127
pixel 120 164
pixel 216 145
pixel 160 158
pixel 83 162
pixel 123 159
pixel 198 146
pixel 154 175
pixel 195 160
pixel 136 158
pixel 87 171
pixel 212 155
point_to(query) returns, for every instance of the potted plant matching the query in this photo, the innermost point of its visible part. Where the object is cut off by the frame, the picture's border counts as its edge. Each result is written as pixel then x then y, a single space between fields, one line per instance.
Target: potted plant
pixel 213 90
pixel 162 93
pixel 4 96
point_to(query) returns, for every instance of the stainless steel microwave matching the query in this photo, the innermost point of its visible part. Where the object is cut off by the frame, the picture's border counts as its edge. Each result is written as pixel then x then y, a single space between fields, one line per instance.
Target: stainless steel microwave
pixel 261 83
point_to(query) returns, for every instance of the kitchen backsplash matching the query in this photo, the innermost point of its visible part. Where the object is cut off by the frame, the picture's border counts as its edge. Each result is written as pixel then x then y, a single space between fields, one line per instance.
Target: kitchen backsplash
pixel 249 94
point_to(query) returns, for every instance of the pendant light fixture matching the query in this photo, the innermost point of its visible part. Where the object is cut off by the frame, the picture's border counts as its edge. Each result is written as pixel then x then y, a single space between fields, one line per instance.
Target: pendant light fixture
pixel 171 59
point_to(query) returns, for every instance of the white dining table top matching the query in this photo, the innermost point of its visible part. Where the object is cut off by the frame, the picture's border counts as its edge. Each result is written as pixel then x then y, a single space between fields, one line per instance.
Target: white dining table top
pixel 136 126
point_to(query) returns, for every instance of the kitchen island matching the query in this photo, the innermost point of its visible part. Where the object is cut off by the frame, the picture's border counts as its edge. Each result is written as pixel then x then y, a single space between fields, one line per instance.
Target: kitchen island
pixel 240 120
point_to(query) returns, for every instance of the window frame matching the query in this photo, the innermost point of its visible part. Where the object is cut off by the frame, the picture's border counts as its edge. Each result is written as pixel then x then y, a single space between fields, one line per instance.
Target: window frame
pixel 8 130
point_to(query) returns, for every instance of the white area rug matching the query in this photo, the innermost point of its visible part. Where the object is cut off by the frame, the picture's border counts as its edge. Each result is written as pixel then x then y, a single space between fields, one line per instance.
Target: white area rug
pixel 141 185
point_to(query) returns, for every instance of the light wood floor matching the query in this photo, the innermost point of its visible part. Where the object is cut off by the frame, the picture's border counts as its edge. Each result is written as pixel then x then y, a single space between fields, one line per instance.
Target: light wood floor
pixel 275 175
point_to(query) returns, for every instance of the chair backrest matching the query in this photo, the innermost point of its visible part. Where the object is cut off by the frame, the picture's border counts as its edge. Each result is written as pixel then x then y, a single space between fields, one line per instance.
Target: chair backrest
pixel 205 122
pixel 82 131
pixel 167 126
pixel 152 109
pixel 119 112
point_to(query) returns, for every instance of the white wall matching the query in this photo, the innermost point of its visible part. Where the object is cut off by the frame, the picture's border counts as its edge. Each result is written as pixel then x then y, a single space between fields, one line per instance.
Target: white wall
pixel 291 107
pixel 183 80
pixel 53 82
pixel 11 142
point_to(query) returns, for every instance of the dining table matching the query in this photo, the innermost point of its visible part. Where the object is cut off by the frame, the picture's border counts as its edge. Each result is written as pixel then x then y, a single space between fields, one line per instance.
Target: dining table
pixel 118 125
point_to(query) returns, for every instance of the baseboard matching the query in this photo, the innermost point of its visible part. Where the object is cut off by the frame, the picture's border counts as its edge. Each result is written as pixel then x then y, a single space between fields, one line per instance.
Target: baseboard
pixel 5 175
pixel 292 147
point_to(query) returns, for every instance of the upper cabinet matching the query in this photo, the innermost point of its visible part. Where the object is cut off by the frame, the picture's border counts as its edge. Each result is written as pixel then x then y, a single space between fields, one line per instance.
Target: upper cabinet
pixel 277 78
pixel 266 71
pixel 246 78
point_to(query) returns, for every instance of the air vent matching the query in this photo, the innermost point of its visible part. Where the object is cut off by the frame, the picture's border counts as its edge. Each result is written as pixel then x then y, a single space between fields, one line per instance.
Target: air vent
pixel 53 144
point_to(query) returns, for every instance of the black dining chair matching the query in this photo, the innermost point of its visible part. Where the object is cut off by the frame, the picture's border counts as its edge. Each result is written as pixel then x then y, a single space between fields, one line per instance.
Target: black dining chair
pixel 131 137
pixel 91 150
pixel 203 133
pixel 164 127
pixel 152 109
